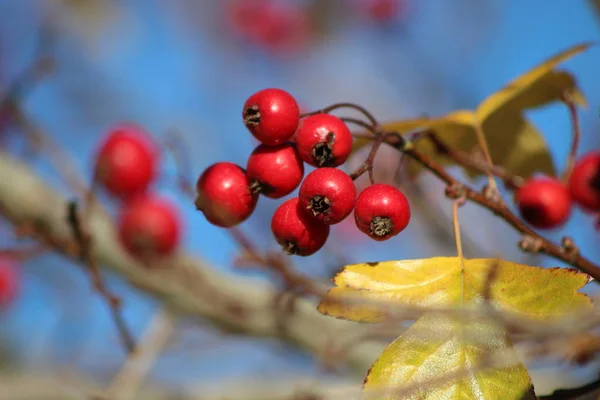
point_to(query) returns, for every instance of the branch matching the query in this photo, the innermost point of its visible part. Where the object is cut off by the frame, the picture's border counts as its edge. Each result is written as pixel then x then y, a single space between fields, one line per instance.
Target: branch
pixel 188 286
pixel 566 252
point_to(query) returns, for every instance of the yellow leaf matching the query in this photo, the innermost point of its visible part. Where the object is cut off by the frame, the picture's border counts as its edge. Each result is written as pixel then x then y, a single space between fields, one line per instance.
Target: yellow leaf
pixel 437 282
pixel 426 364
pixel 520 85
pixel 440 346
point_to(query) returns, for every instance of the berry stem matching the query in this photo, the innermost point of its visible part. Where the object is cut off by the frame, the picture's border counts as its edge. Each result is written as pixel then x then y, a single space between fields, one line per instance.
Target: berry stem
pixel 367 166
pixel 336 106
pixel 576 135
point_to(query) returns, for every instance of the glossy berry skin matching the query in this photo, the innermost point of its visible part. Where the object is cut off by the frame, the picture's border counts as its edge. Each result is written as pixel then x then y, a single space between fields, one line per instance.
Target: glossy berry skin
pixel 127 161
pixel 224 194
pixel 381 211
pixel 323 140
pixel 584 182
pixel 271 115
pixel 295 231
pixel 544 203
pixel 328 195
pixel 10 281
pixel 275 171
pixel 149 226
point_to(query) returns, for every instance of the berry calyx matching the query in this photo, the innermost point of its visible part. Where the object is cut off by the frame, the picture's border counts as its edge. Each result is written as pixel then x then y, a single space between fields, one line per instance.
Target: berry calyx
pixel 296 232
pixel 584 182
pixel 271 115
pixel 224 194
pixel 328 195
pixel 381 211
pixel 10 281
pixel 149 226
pixel 323 140
pixel 126 163
pixel 544 203
pixel 275 171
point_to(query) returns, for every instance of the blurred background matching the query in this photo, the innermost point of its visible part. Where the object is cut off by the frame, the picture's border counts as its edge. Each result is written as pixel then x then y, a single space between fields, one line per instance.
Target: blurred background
pixel 189 65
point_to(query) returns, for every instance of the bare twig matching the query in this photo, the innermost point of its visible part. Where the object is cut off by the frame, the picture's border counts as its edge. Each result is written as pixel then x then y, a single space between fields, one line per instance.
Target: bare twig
pixel 24 253
pixel 511 180
pixel 276 262
pixel 84 240
pixel 498 208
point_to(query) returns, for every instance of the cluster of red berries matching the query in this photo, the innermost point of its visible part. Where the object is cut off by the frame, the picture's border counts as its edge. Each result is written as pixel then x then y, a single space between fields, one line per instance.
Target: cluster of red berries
pixel 546 203
pixel 228 193
pixel 126 166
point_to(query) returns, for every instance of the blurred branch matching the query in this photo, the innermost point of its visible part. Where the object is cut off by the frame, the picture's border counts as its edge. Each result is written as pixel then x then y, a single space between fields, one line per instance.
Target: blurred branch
pixel 188 285
pixel 57 387
pixel 129 379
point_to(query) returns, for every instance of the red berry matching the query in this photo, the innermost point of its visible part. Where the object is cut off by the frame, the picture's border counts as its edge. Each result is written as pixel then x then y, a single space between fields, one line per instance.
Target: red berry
pixel 276 26
pixel 275 171
pixel 149 226
pixel 382 10
pixel 224 194
pixel 381 211
pixel 584 183
pixel 296 232
pixel 323 140
pixel 271 115
pixel 328 194
pixel 544 203
pixel 10 280
pixel 127 161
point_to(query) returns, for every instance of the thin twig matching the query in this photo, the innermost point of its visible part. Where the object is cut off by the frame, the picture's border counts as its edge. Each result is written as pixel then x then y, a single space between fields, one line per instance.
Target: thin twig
pixel 367 166
pixel 575 136
pixel 175 143
pixel 275 262
pixel 352 106
pixel 546 246
pixel 509 179
pixel 84 241
pixel 24 253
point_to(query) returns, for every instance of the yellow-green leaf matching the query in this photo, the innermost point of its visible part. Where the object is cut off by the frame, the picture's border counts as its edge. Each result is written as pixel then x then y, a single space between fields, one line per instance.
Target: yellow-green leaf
pixel 440 346
pixel 520 85
pixel 432 361
pixel 437 282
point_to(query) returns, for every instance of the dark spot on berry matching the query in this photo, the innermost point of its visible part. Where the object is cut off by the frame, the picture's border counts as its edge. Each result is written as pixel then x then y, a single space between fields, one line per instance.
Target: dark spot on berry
pixel 259 187
pixel 320 205
pixel 252 115
pixel 595 181
pixel 290 248
pixel 322 152
pixel 381 226
pixel 373 263
pixel 534 214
